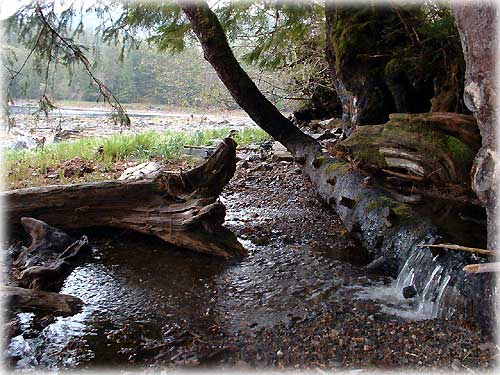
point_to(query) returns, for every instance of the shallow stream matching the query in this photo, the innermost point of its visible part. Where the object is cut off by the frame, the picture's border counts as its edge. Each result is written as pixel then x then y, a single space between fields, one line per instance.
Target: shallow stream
pixel 139 292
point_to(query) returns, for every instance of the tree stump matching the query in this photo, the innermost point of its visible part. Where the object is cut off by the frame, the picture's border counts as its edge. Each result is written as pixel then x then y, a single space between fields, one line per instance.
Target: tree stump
pixel 51 257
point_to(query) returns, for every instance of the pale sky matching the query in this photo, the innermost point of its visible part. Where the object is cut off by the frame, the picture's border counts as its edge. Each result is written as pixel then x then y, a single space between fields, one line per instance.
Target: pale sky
pixel 8 7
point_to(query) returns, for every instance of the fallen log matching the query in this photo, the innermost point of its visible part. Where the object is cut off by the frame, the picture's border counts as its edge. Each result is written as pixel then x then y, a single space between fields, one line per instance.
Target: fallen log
pixel 439 147
pixel 39 301
pixel 181 208
pixel 50 259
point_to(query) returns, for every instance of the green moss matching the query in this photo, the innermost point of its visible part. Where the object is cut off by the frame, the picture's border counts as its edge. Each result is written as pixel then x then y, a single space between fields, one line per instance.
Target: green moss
pixel 364 146
pixel 337 166
pixel 459 151
pixel 319 161
pixel 429 138
pixel 400 209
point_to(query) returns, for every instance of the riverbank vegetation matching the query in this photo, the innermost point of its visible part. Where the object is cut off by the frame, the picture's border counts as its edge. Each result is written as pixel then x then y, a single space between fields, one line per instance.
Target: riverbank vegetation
pixel 142 76
pixel 97 158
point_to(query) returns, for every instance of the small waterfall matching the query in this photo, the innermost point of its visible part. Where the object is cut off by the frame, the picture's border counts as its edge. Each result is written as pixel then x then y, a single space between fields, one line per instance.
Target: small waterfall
pixel 437 296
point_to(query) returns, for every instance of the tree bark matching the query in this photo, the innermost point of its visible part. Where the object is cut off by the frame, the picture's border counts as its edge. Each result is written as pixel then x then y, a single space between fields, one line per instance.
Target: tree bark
pixel 218 53
pixel 436 146
pixel 477 26
pixel 180 208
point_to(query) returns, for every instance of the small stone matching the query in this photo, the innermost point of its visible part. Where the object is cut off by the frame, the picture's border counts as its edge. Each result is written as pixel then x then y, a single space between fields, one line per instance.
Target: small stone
pixel 409 292
pixel 243 164
pixel 282 156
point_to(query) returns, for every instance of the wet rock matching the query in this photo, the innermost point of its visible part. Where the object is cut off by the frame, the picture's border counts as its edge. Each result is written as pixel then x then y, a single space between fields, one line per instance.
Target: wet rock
pixel 409 292
pixel 379 265
pixel 12 328
pixel 280 153
pixel 282 156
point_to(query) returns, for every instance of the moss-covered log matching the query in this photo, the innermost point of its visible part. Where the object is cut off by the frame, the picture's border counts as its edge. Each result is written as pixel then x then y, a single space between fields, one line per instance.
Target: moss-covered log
pixel 434 146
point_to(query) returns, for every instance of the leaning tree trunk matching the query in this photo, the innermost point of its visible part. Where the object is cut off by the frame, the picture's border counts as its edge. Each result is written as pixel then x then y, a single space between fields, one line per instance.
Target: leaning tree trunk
pixel 477 28
pixel 218 53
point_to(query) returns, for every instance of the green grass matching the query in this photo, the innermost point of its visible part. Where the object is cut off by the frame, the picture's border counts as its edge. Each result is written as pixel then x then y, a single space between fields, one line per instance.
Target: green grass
pixel 106 151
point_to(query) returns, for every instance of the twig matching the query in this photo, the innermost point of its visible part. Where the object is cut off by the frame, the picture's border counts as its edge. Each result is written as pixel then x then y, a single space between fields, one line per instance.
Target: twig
pixel 461 248
pixel 405 176
pixel 482 267
pixel 14 76
pixel 103 89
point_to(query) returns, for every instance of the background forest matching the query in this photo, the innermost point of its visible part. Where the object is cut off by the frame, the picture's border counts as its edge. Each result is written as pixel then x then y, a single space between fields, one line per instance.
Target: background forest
pixel 142 75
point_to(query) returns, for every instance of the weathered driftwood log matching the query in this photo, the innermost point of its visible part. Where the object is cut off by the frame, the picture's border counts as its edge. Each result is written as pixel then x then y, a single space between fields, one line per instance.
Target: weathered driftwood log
pixel 178 207
pixel 435 146
pixel 51 257
pixel 39 301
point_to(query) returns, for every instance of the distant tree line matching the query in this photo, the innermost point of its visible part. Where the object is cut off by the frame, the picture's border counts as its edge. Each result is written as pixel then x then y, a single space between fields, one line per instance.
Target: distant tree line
pixel 144 75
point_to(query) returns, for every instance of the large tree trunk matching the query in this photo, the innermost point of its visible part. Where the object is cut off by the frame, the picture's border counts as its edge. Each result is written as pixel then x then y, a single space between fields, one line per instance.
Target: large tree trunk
pixel 218 53
pixel 180 208
pixel 477 25
pixel 359 81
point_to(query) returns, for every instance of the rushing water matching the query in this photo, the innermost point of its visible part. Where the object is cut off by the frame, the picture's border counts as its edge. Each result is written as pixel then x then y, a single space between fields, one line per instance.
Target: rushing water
pixel 436 295
pixel 139 292
pixel 435 284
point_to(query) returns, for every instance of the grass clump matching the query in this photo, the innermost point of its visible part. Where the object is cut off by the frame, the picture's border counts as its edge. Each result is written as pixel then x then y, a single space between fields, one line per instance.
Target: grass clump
pixel 103 153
